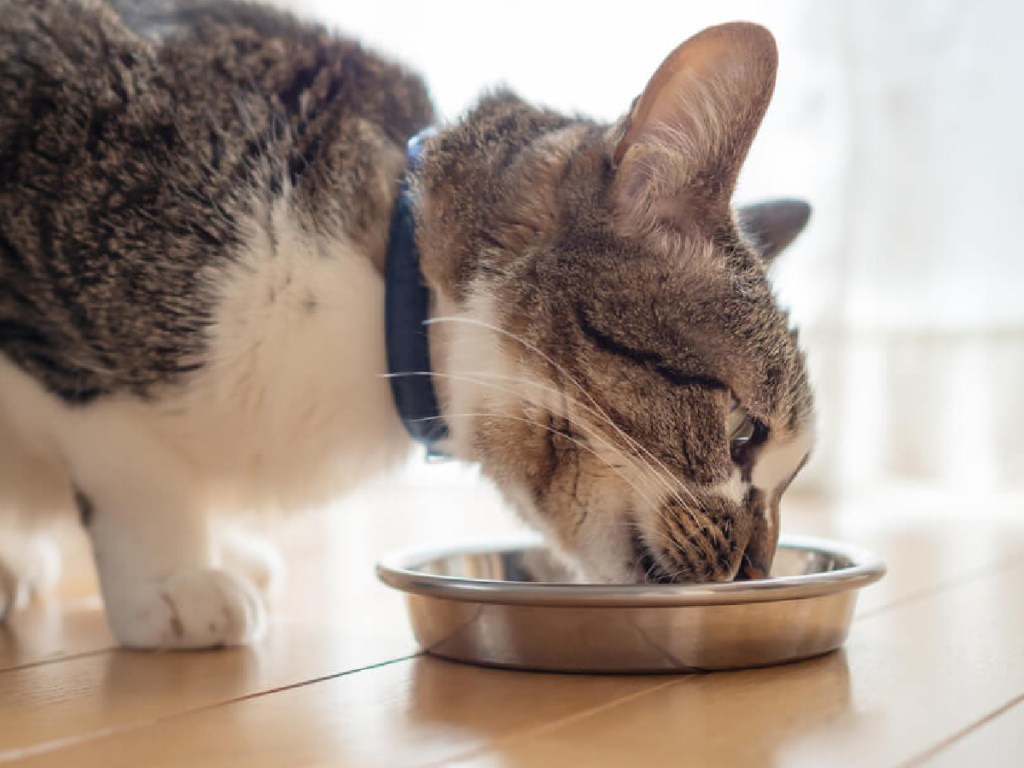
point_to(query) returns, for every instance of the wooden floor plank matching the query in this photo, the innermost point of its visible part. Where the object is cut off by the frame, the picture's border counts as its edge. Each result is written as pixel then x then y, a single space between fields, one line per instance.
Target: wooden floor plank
pixel 65 701
pixel 939 659
pixel 61 677
pixel 64 687
pixel 908 677
pixel 327 568
pixel 997 742
pixel 67 621
pixel 329 554
pixel 929 544
pixel 392 715
pixel 49 631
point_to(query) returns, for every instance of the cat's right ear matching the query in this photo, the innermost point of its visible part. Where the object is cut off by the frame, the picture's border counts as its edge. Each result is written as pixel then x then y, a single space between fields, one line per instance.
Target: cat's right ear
pixel 772 225
pixel 678 153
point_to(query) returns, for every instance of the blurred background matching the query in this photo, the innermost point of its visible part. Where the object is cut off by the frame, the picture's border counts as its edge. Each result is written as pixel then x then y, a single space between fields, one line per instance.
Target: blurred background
pixel 901 122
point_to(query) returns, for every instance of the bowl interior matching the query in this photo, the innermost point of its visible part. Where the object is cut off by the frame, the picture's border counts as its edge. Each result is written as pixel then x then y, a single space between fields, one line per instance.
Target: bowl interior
pixel 537 565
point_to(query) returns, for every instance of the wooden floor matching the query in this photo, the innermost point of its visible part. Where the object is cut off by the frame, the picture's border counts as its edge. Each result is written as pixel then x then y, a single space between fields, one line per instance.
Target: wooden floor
pixel 932 675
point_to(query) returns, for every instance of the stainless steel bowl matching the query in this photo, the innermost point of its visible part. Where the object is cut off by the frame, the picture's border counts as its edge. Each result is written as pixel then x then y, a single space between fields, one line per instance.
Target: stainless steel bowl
pixel 510 605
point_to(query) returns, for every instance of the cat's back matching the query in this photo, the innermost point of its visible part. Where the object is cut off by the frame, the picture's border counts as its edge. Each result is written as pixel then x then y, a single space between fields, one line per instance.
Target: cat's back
pixel 138 144
pixel 68 69
pixel 78 103
pixel 193 211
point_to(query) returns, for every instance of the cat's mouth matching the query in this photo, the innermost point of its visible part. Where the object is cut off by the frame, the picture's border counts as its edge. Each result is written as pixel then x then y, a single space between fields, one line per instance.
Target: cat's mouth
pixel 648 568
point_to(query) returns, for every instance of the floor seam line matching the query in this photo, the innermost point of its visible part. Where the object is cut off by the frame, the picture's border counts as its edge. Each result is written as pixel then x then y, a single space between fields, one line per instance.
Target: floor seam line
pixel 53 746
pixel 953 738
pixel 595 710
pixel 529 732
pixel 58 659
pixel 998 565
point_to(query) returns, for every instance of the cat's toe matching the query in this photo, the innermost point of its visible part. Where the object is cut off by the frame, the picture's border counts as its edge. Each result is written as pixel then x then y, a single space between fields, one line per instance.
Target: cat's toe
pixel 201 608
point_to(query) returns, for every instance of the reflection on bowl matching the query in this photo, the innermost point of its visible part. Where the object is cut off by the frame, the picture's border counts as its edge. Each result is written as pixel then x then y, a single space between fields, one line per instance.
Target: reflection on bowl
pixel 513 605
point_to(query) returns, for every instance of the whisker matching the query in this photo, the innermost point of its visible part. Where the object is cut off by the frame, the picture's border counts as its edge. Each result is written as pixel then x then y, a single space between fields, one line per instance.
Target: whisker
pixel 579 443
pixel 596 411
pixel 544 356
pixel 600 415
pixel 589 432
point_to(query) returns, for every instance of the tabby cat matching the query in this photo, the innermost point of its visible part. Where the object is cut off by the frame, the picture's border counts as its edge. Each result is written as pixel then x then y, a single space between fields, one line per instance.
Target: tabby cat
pixel 195 210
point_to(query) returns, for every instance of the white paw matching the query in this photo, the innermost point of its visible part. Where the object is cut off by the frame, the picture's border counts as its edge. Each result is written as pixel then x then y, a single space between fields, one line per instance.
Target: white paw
pixel 28 565
pixel 199 608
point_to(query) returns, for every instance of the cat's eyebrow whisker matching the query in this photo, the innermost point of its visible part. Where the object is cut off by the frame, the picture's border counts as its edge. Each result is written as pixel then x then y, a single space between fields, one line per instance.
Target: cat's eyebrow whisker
pixel 578 443
pixel 572 380
pixel 599 414
pixel 589 432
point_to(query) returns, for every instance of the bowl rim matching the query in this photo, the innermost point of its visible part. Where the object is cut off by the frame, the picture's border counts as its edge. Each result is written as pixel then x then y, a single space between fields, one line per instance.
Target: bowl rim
pixel 400 570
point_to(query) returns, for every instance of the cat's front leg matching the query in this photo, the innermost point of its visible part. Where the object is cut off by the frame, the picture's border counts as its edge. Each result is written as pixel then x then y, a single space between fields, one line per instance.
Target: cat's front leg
pixel 154 554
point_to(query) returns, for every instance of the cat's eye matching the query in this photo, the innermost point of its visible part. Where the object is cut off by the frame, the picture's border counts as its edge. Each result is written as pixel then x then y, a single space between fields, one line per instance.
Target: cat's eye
pixel 743 432
pixel 742 438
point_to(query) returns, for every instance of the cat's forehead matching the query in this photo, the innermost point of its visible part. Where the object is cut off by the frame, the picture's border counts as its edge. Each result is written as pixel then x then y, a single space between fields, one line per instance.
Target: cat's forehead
pixel 705 313
pixel 696 282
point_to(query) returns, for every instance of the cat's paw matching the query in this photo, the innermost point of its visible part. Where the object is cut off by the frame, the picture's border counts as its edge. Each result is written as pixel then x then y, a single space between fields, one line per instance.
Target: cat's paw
pixel 28 565
pixel 200 608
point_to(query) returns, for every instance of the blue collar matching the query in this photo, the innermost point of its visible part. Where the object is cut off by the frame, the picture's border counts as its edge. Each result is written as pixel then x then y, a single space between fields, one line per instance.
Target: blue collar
pixel 406 304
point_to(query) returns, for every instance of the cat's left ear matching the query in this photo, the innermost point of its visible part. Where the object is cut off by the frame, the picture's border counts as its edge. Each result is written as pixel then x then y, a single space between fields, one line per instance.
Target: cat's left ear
pixel 678 153
pixel 772 225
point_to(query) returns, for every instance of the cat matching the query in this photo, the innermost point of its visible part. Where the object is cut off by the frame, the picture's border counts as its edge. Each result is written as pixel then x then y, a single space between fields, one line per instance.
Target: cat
pixel 196 204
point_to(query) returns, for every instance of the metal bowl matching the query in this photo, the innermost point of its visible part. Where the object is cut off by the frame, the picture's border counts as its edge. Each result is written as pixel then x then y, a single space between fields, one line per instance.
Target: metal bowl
pixel 511 605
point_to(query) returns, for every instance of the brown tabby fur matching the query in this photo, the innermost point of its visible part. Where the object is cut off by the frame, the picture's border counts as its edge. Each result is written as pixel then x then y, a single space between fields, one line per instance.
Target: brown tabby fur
pixel 194 206
pixel 612 249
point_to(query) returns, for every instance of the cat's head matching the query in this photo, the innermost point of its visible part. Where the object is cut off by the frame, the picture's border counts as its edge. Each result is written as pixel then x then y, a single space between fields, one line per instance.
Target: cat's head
pixel 607 343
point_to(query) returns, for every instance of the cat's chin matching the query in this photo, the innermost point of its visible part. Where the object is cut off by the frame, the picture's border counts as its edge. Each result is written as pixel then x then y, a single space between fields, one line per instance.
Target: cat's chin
pixel 624 578
pixel 602 569
pixel 632 570
pixel 631 576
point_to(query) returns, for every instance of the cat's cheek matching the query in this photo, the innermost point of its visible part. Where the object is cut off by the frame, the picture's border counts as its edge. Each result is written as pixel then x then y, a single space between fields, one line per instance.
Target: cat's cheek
pixel 605 554
pixel 589 530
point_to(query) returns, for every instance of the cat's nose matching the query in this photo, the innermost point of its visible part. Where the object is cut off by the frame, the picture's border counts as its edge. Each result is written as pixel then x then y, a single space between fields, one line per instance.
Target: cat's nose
pixel 760 551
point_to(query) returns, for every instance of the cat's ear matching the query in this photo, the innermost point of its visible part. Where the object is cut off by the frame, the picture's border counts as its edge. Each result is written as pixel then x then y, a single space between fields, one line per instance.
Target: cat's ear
pixel 772 225
pixel 679 151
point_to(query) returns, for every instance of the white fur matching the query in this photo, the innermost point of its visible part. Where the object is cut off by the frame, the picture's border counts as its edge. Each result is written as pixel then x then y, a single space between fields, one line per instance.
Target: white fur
pixel 779 459
pixel 733 489
pixel 28 564
pixel 290 407
pixel 479 377
pixel 464 346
